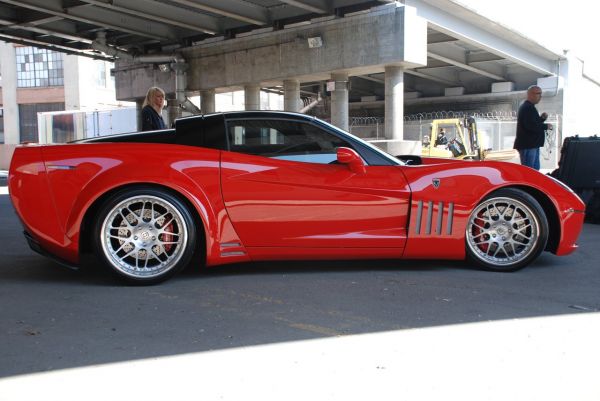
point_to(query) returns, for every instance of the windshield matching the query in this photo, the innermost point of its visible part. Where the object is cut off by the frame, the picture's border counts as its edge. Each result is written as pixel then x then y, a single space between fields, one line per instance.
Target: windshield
pixel 387 156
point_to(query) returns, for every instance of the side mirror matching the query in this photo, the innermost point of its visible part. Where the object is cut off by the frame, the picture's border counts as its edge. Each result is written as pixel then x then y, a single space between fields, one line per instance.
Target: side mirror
pixel 352 159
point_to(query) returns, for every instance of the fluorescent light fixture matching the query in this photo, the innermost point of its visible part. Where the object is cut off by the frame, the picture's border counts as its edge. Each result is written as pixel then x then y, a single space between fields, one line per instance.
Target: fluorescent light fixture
pixel 317 41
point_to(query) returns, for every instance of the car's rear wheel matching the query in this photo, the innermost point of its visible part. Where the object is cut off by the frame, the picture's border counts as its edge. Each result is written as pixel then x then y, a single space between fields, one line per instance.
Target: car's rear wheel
pixel 145 235
pixel 506 231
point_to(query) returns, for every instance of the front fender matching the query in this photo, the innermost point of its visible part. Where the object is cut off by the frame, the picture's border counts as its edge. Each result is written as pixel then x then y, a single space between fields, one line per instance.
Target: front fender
pixel 444 194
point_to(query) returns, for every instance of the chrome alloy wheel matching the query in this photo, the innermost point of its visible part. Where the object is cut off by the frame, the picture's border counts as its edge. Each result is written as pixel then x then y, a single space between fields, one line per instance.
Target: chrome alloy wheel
pixel 144 236
pixel 503 232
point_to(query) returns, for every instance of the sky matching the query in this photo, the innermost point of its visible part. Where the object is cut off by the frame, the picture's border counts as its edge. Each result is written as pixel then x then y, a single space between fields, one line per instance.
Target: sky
pixel 555 24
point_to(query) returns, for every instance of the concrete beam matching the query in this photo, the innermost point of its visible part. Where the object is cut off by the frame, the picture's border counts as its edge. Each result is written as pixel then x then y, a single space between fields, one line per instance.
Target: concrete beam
pixel 370 78
pixel 466 66
pixel 98 16
pixel 160 12
pixel 241 10
pixel 318 8
pixel 455 20
pixel 67 29
pixel 433 78
pixel 348 45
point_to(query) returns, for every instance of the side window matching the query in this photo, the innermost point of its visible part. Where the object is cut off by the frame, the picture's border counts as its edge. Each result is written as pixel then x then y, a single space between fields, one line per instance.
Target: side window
pixel 202 131
pixel 282 139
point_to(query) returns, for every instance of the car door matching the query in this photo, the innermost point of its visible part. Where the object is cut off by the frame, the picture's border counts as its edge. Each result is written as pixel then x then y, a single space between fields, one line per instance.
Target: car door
pixel 282 187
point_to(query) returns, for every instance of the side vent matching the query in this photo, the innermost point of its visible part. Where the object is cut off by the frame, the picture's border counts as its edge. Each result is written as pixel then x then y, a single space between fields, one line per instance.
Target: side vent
pixel 232 249
pixel 430 218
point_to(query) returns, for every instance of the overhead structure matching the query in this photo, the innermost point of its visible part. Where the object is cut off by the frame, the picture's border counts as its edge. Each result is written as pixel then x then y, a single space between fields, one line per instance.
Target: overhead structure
pixel 455 55
pixel 457 52
pixel 145 26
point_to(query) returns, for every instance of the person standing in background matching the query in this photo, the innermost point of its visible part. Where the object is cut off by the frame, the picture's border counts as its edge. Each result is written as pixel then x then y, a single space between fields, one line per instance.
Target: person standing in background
pixel 531 129
pixel 152 109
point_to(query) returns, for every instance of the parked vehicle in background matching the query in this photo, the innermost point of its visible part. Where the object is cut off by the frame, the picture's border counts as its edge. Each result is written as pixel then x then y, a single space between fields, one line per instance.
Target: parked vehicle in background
pixel 463 141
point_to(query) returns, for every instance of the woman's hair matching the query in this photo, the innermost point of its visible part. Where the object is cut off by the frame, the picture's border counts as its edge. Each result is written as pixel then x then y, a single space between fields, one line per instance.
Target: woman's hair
pixel 151 93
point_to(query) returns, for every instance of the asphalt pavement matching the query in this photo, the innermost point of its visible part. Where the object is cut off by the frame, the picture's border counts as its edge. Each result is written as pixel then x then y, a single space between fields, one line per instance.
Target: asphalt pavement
pixel 300 330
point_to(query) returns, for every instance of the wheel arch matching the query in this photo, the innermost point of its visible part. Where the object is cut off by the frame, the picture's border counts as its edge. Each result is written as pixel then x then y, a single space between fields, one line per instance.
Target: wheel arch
pixel 549 207
pixel 87 223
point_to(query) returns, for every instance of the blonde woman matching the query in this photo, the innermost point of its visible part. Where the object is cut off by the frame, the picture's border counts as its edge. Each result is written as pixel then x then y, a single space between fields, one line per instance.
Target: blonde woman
pixel 152 109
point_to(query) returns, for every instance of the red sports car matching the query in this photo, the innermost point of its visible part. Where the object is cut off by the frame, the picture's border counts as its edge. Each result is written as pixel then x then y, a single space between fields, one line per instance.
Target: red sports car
pixel 248 186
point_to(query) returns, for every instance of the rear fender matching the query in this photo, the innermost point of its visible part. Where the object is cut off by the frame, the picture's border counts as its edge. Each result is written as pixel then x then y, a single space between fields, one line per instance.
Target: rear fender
pixel 190 172
pixel 32 199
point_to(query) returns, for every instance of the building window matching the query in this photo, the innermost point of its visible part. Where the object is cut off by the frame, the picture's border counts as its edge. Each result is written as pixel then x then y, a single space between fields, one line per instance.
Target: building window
pixel 39 67
pixel 28 122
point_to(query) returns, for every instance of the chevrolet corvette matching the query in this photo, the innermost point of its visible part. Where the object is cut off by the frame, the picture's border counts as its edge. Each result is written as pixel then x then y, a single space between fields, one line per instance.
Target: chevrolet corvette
pixel 249 186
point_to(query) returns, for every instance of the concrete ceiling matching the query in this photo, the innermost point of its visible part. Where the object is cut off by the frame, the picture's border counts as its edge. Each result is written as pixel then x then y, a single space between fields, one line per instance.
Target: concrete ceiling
pixel 464 49
pixel 146 26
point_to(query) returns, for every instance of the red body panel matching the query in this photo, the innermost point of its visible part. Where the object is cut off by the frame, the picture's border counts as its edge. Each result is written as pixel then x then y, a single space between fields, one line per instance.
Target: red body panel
pixel 464 184
pixel 31 196
pixel 262 208
pixel 279 203
pixel 76 176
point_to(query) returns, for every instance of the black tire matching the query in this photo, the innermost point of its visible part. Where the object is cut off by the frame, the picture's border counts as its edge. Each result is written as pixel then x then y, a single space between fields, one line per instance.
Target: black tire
pixel 144 235
pixel 506 231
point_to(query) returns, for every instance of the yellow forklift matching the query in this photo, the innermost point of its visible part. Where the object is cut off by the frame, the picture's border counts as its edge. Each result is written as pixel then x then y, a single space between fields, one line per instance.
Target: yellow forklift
pixel 458 138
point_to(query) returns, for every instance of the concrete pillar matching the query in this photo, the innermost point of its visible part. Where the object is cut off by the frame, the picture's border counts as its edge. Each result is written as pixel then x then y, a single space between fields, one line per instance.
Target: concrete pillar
pixel 339 101
pixel 291 95
pixel 8 66
pixel 252 96
pixel 72 87
pixel 207 101
pixel 139 105
pixel 173 111
pixel 394 103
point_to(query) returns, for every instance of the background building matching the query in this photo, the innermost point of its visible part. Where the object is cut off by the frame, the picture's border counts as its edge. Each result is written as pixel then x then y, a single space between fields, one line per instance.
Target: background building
pixel 36 80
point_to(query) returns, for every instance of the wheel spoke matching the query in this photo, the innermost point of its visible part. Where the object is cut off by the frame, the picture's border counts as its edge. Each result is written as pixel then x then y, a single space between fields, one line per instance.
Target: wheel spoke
pixel 168 243
pixel 133 214
pixel 129 254
pixel 498 250
pixel 119 249
pixel 479 226
pixel 513 251
pixel 117 237
pixel 162 216
pixel 524 243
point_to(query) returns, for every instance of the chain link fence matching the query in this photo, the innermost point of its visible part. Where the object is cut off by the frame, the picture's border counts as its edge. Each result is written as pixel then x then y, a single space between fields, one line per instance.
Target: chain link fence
pixel 496 128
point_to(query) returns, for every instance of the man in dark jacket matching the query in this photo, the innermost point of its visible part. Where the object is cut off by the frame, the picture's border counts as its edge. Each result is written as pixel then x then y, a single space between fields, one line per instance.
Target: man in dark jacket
pixel 531 129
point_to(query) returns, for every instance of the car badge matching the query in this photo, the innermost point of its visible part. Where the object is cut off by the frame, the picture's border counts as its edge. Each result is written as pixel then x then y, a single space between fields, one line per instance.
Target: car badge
pixel 436 183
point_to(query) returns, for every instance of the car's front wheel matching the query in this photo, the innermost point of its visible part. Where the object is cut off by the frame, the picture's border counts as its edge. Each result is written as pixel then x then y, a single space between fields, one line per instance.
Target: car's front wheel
pixel 506 231
pixel 145 235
